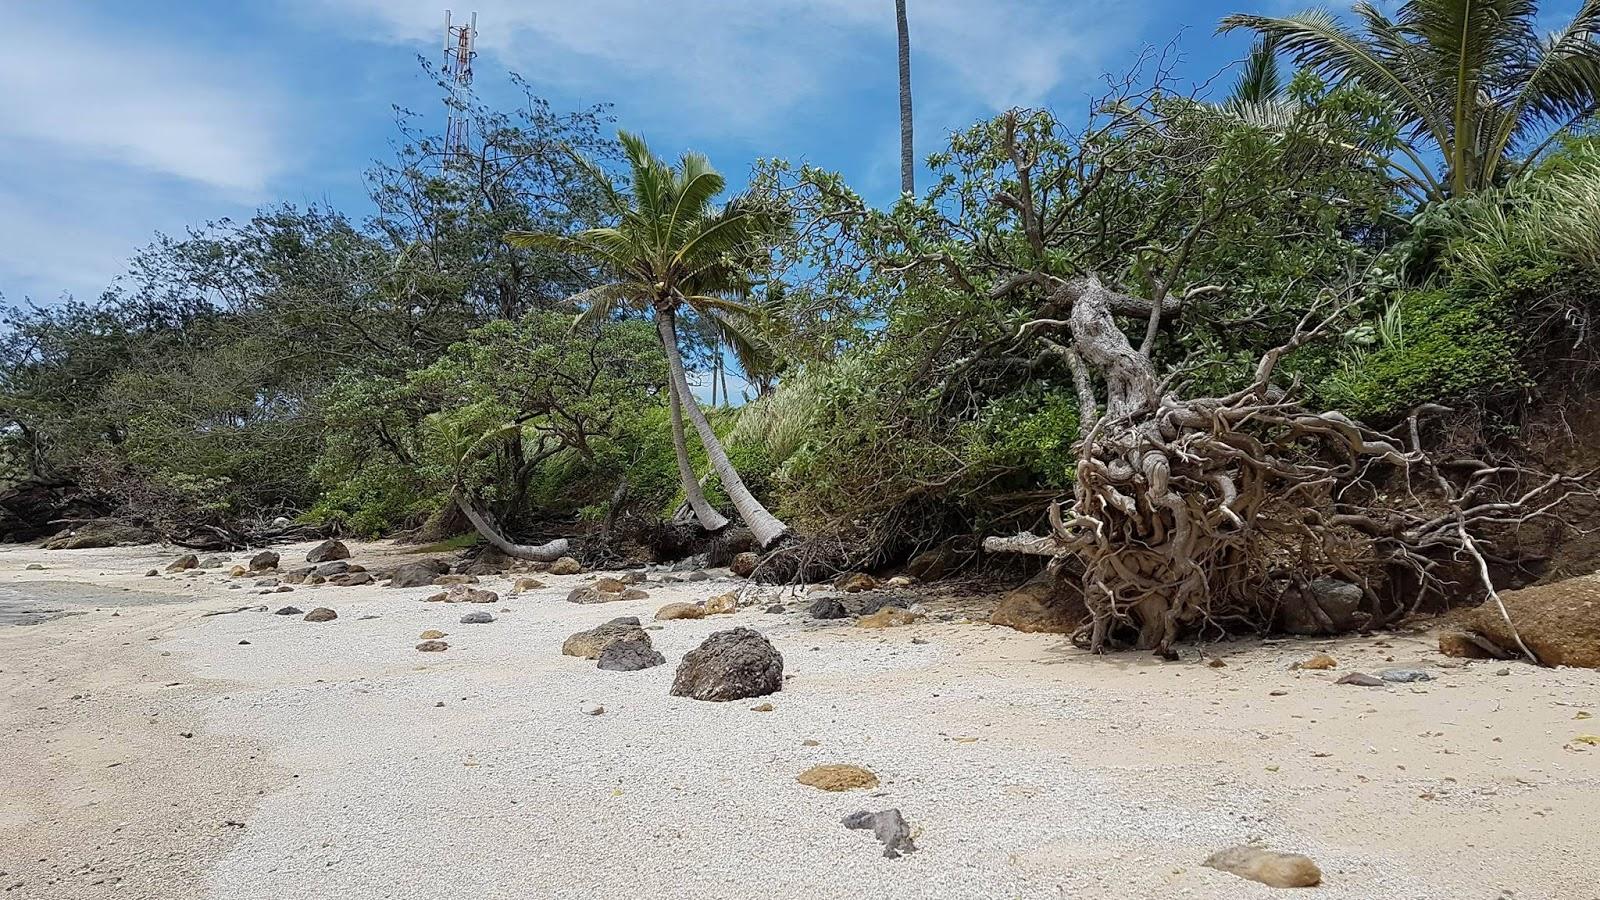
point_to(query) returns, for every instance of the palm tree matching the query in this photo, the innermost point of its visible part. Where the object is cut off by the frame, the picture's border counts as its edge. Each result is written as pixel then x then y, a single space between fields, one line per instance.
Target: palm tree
pixel 908 160
pixel 672 248
pixel 1472 78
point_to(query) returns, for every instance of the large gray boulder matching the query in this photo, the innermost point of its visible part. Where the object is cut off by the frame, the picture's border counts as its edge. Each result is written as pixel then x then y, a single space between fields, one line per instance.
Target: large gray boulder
pixel 630 653
pixel 730 665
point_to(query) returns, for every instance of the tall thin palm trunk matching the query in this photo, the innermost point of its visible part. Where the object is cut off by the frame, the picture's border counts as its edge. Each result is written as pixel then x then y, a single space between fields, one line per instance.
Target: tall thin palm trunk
pixel 709 518
pixel 766 527
pixel 908 160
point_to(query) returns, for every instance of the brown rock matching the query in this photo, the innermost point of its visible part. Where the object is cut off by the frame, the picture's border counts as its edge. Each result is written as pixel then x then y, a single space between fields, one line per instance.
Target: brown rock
pixel 328 550
pixel 591 594
pixel 432 634
pixel 321 614
pixel 837 777
pixel 264 561
pixel 351 579
pixel 433 646
pixel 1559 622
pixel 238 571
pixel 680 611
pixel 888 617
pixel 415 574
pixel 722 604
pixel 591 643
pixel 855 582
pixel 526 583
pixel 1317 662
pixel 609 585
pixel 1274 869
pixel 1466 646
pixel 566 565
pixel 186 561
pixel 1042 606
pixel 744 564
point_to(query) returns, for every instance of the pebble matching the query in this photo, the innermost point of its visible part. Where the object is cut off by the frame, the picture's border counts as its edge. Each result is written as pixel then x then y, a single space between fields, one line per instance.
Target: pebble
pixel 593 709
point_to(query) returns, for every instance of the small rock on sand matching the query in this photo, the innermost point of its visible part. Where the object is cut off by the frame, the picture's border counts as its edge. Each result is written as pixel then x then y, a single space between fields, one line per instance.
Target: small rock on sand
pixel 592 709
pixel 477 617
pixel 855 582
pixel 591 643
pixel 888 617
pixel 526 583
pixel 263 561
pixel 433 646
pixel 153 573
pixel 432 634
pixel 730 665
pixel 680 611
pixel 827 608
pixel 722 604
pixel 1404 676
pixel 744 563
pixel 888 826
pixel 289 611
pixel 416 574
pixel 1361 679
pixel 462 593
pixel 1270 867
pixel 321 614
pixel 837 777
pixel 1317 662
pixel 566 565
pixel 186 561
pixel 632 653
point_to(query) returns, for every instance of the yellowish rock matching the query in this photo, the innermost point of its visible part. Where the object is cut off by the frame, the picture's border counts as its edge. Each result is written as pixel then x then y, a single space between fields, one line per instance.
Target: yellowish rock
pixel 432 634
pixel 238 571
pixel 888 617
pixel 722 604
pixel 1270 867
pixel 1318 662
pixel 526 583
pixel 837 777
pixel 680 611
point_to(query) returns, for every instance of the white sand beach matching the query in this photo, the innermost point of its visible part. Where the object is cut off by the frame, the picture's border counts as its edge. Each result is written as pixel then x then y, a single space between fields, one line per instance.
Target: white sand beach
pixel 153 752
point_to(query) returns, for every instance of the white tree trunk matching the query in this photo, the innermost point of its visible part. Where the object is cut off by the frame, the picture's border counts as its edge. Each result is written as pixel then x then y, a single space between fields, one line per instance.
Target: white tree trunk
pixel 549 552
pixel 766 527
pixel 709 518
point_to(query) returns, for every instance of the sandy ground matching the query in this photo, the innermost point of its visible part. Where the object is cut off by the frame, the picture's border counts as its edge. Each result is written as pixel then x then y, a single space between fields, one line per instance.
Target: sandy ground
pixel 147 751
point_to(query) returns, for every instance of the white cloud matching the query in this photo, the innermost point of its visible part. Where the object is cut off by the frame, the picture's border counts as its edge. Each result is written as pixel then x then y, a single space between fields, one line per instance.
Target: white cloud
pixel 758 60
pixel 107 137
pixel 68 90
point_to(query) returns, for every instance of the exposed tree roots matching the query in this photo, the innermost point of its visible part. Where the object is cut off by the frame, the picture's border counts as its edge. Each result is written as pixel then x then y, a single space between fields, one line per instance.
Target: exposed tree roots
pixel 1197 517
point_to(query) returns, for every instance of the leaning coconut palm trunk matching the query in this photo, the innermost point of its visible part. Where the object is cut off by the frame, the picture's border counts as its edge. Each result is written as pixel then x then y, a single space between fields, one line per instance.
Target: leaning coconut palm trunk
pixel 766 527
pixel 549 552
pixel 709 518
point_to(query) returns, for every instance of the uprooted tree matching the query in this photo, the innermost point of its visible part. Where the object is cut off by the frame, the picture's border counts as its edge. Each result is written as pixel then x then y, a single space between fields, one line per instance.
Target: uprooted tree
pixel 1176 265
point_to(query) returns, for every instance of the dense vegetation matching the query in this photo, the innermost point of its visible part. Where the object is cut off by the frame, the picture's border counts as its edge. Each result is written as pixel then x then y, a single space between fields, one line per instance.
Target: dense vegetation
pixel 910 372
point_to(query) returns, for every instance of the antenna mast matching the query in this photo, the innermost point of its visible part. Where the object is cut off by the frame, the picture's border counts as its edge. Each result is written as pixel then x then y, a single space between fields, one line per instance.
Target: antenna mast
pixel 460 46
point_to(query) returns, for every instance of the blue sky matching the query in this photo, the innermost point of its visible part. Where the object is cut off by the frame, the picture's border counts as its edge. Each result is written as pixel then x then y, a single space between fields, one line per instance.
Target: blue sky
pixel 121 120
